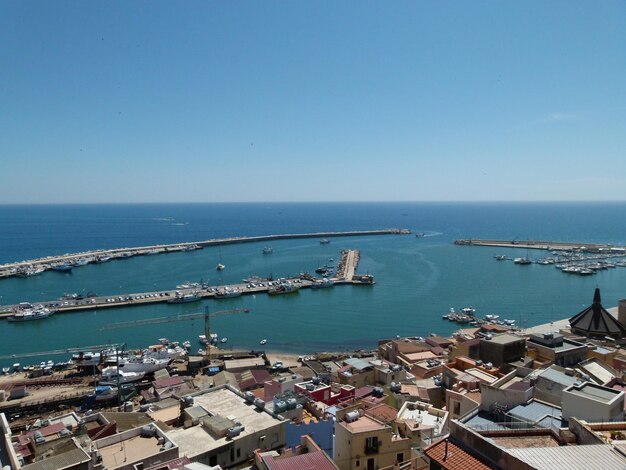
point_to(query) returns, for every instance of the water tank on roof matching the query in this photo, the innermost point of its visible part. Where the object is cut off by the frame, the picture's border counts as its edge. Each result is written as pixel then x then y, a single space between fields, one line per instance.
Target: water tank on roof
pixel 291 403
pixel 489 365
pixel 188 400
pixel 280 406
pixel 378 392
pixel 395 387
pixel 316 380
pixel 234 431
pixel 310 387
pixel 249 397
pixel 148 431
pixel 259 403
pixel 479 363
pixel 352 416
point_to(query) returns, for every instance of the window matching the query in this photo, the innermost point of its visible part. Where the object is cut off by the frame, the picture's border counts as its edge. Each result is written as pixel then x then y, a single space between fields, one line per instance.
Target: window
pixel 238 453
pixel 400 457
pixel 457 408
pixel 371 445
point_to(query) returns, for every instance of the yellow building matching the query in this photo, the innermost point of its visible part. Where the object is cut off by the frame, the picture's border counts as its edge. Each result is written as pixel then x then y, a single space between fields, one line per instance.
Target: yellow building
pixel 364 443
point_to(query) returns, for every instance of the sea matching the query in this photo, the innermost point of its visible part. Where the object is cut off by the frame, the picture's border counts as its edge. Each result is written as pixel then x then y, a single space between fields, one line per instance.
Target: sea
pixel 418 279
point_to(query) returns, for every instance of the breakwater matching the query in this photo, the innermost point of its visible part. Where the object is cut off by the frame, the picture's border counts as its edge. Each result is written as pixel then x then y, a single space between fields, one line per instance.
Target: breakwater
pixel 543 245
pixel 68 261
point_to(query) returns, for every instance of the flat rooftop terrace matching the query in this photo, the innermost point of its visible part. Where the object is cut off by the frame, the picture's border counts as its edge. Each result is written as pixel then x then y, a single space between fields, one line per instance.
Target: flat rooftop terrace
pixel 197 440
pixel 129 450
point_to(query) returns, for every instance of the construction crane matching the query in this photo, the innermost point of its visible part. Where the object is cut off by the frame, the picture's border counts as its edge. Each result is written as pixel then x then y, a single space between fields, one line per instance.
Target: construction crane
pixel 182 317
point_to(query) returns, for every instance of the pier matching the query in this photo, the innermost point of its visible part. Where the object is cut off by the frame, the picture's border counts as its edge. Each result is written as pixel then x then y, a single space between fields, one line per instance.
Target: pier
pixel 345 275
pixel 32 267
pixel 544 245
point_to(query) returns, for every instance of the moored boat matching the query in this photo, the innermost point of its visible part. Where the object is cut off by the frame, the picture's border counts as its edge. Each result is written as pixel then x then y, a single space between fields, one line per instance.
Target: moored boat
pixel 268 250
pixel 227 293
pixel 322 283
pixel 283 288
pixel 180 297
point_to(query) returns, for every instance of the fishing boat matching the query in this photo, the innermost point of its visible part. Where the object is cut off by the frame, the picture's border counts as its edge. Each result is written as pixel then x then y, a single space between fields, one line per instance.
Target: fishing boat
pixel 283 288
pixel 220 267
pixel 324 241
pixel 227 293
pixel 187 344
pixel 62 268
pixel 491 317
pixel 268 250
pixel 223 340
pixel 263 341
pixel 468 311
pixel 322 283
pixel 523 261
pixel 180 297
pixel 500 257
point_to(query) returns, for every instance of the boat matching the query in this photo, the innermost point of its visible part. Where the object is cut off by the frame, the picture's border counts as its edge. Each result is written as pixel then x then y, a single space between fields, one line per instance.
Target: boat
pixel 187 344
pixel 419 234
pixel 146 365
pixel 111 375
pixel 322 283
pixel 263 341
pixel 105 393
pixel 27 314
pixel 491 317
pixel 227 293
pixel 500 257
pixel 268 250
pixel 283 288
pixel 220 267
pixel 180 297
pixel 101 259
pixel 62 268
pixel 523 260
pixel 223 340
pixel 5 370
pixel 468 311
pixel 324 241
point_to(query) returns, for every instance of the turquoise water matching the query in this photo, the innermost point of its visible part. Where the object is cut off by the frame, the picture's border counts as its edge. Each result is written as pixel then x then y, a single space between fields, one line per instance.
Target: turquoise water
pixel 418 279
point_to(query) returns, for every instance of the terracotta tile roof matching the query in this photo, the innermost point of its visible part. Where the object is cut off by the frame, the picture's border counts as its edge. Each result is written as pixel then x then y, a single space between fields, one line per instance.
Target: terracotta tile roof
pixel 456 458
pixel 382 412
pixel 169 382
pixel 311 461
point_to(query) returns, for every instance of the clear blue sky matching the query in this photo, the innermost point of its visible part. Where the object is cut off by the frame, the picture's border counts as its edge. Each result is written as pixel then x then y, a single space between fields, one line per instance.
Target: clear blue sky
pixel 312 101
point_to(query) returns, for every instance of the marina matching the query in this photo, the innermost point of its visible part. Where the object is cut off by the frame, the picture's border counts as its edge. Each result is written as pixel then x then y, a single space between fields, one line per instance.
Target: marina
pixel 194 292
pixel 583 259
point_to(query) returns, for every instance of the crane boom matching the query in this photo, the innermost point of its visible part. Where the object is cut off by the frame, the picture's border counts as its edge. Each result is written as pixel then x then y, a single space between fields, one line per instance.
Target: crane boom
pixel 97 347
pixel 172 318
pixel 184 317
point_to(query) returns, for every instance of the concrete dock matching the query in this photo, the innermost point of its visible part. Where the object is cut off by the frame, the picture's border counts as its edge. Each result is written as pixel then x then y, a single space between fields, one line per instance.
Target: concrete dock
pixel 345 275
pixel 35 266
pixel 544 245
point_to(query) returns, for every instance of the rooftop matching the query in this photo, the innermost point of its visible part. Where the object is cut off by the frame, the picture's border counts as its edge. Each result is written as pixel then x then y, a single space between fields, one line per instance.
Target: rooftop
pixel 225 402
pixel 595 392
pixel 135 449
pixel 505 339
pixel 363 424
pixel 571 457
pixel 453 457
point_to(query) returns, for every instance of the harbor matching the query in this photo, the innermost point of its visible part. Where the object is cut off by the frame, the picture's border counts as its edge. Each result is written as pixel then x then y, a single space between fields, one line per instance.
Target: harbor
pixel 185 293
pixel 68 261
pixel 584 259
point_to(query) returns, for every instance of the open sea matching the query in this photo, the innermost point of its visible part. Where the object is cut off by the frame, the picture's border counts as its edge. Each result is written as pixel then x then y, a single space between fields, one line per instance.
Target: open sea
pixel 418 279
